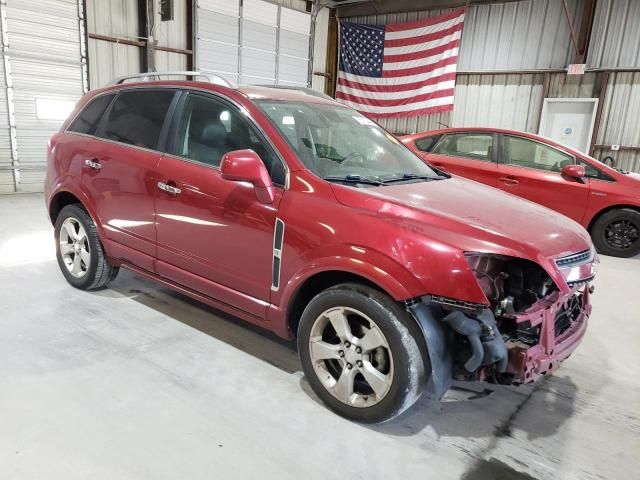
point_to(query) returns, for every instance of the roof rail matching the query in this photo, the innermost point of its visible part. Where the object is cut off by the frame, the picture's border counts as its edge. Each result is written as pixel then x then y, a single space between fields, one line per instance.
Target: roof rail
pixel 307 90
pixel 211 77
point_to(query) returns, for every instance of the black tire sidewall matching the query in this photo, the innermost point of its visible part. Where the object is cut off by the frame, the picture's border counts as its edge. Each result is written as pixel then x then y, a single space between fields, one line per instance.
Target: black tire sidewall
pixel 76 212
pixel 601 224
pixel 409 375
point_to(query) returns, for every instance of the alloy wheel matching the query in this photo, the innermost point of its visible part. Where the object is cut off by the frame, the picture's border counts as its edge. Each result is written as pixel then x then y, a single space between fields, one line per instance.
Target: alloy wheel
pixel 621 234
pixel 351 357
pixel 74 247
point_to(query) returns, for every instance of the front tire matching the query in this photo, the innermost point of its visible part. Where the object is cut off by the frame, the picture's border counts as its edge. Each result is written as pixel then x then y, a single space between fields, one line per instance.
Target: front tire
pixel 79 251
pixel 362 353
pixel 617 233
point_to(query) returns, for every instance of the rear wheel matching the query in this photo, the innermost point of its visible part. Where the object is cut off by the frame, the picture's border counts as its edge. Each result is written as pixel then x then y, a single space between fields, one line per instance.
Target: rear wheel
pixel 617 233
pixel 79 251
pixel 361 353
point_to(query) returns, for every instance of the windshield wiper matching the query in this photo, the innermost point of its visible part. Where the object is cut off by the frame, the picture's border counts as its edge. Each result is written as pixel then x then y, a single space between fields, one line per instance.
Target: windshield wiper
pixel 354 179
pixel 410 176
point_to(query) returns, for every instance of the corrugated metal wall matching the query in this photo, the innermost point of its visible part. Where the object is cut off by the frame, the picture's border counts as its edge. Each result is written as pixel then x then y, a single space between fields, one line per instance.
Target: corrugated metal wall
pixel 6 168
pixel 109 60
pixel 619 122
pixel 505 100
pixel 173 34
pixel 615 37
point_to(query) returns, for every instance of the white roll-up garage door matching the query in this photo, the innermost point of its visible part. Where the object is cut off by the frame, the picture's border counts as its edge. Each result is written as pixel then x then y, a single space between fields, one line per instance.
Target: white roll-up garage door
pixel 253 42
pixel 46 68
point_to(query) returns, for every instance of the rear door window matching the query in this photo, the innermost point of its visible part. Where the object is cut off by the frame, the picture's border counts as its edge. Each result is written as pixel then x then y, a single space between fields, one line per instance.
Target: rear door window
pixel 477 146
pixel 137 116
pixel 90 116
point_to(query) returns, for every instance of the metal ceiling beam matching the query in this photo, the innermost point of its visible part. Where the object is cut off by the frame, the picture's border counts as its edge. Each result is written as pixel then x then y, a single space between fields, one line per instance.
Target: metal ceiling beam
pixel 377 7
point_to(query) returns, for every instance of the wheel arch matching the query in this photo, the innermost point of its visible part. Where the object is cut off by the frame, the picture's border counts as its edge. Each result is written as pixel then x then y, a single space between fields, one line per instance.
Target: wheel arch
pixel 608 209
pixel 313 285
pixel 60 200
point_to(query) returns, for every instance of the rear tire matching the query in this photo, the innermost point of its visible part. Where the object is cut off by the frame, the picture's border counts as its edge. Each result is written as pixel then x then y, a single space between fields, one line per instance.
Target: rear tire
pixel 617 233
pixel 371 366
pixel 79 251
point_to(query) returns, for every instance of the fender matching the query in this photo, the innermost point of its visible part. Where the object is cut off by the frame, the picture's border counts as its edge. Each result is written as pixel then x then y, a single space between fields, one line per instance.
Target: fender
pixel 379 269
pixel 66 185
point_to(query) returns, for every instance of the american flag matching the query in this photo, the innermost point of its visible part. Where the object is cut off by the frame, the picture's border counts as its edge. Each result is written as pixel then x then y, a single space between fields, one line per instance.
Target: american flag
pixel 402 69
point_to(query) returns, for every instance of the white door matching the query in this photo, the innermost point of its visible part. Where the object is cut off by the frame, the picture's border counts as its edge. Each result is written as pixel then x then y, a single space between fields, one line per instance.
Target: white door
pixel 569 121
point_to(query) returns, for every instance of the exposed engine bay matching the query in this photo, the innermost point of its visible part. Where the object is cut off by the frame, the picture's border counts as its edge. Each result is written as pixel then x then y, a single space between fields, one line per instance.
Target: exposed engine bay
pixel 511 341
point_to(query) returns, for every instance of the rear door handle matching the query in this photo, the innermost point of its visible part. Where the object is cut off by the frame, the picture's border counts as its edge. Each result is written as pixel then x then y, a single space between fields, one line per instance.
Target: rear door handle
pixel 165 187
pixel 509 180
pixel 93 163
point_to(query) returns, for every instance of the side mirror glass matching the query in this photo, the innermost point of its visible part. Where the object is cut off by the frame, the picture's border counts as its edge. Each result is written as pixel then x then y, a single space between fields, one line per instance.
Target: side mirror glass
pixel 574 171
pixel 246 166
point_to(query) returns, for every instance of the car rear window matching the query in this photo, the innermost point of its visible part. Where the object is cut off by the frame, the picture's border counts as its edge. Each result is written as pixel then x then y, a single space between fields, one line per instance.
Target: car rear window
pixel 88 120
pixel 137 116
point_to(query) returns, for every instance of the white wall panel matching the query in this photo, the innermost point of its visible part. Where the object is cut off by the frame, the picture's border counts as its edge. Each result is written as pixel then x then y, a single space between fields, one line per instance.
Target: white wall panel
pixel 293 70
pixel 295 21
pixel 260 11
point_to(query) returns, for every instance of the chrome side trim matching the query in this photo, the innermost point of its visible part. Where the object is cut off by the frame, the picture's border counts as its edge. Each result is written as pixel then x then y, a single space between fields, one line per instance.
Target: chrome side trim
pixel 278 242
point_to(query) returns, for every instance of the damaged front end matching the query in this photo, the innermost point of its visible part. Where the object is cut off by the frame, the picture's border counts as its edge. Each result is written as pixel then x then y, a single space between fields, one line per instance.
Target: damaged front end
pixel 528 327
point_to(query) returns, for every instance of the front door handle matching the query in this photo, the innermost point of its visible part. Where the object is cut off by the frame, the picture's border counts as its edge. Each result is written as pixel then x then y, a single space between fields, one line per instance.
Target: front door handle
pixel 509 180
pixel 93 163
pixel 165 187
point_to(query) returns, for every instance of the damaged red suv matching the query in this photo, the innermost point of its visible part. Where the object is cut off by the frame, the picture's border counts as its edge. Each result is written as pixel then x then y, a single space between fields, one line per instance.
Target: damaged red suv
pixel 302 216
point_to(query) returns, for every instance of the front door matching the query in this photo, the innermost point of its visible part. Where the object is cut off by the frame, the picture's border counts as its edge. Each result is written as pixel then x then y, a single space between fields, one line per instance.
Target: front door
pixel 532 170
pixel 119 171
pixel 214 236
pixel 470 155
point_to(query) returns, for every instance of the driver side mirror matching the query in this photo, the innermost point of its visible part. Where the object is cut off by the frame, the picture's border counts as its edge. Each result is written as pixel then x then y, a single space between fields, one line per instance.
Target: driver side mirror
pixel 576 172
pixel 246 166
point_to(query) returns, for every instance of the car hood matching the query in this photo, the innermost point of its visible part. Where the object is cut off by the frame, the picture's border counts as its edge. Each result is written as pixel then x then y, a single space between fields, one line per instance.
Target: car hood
pixel 472 217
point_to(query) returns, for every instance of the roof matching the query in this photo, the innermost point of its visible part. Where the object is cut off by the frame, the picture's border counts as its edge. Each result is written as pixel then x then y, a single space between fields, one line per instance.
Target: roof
pixel 280 92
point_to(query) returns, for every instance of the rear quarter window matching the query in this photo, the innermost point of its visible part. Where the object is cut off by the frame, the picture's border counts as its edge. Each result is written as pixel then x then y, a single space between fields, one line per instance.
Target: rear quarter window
pixel 425 144
pixel 137 116
pixel 89 118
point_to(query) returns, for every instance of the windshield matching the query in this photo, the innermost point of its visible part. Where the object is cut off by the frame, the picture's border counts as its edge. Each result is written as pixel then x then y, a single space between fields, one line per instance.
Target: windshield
pixel 337 143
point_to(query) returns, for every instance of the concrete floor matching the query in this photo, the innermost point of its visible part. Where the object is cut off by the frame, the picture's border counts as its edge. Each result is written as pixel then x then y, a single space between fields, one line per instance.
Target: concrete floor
pixel 136 381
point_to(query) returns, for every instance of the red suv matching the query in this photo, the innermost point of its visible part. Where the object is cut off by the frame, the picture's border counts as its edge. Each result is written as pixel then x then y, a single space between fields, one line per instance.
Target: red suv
pixel 602 199
pixel 302 216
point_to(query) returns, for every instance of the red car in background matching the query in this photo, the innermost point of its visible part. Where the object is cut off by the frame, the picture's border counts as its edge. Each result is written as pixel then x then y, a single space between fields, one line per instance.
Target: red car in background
pixel 604 200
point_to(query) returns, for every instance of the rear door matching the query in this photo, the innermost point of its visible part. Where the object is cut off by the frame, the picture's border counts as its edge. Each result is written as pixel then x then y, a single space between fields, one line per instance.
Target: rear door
pixel 119 171
pixel 468 154
pixel 214 236
pixel 532 170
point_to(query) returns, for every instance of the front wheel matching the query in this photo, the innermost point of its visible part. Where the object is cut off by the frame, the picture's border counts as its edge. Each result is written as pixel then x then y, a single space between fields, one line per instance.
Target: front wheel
pixel 617 233
pixel 362 353
pixel 79 251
